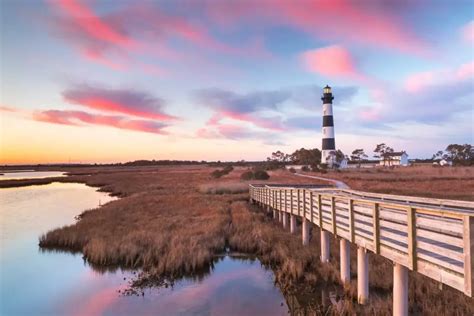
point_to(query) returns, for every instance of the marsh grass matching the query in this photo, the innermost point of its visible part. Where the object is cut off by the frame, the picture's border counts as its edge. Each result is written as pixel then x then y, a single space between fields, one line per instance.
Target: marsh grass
pixel 224 188
pixel 418 180
pixel 171 223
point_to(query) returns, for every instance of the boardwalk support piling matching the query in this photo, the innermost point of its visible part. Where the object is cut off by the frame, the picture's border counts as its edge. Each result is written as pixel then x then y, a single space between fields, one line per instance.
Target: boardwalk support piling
pixel 345 261
pixel 400 290
pixel 285 220
pixel 292 223
pixel 305 231
pixel 324 246
pixel 362 276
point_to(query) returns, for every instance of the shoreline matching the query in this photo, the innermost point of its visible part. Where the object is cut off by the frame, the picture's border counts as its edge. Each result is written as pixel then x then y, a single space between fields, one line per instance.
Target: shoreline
pixel 166 226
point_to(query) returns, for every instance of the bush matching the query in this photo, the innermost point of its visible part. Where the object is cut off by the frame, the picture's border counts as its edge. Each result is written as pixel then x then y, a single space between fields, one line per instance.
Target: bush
pixel 305 168
pixel 228 169
pixel 261 175
pixel 219 173
pixel 292 170
pixel 248 175
pixel 315 168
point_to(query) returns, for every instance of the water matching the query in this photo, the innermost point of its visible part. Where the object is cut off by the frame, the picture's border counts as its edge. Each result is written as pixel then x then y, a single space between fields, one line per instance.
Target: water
pixel 30 174
pixel 33 282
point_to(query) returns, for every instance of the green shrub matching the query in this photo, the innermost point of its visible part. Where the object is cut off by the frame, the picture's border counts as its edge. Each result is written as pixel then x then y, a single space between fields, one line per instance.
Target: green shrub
pixel 305 168
pixel 292 170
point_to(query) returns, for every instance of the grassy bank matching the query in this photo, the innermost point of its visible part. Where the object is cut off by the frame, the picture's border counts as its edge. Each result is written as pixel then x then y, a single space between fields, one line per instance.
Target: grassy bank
pixel 419 180
pixel 172 221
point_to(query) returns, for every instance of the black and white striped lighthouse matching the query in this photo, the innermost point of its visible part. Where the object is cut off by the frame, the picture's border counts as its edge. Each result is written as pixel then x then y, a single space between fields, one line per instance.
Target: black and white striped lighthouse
pixel 329 144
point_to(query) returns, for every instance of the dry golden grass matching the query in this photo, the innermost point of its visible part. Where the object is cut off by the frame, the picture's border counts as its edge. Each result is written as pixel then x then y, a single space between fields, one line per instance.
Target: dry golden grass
pixel 420 180
pixel 167 224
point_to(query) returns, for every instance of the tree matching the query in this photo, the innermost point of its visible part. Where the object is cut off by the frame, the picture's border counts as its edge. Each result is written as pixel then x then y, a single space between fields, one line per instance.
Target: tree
pixel 384 152
pixel 336 157
pixel 458 154
pixel 439 155
pixel 304 156
pixel 277 160
pixel 359 156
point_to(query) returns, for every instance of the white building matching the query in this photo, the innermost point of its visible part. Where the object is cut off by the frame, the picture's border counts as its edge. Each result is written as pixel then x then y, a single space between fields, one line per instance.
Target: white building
pixel 344 164
pixel 395 159
pixel 444 162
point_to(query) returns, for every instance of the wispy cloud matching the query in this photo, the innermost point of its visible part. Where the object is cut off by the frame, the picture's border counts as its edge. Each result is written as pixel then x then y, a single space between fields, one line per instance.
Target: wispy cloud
pixel 340 20
pixel 79 118
pixel 467 32
pixel 141 29
pixel 130 102
pixel 430 96
pixel 244 107
pixel 263 114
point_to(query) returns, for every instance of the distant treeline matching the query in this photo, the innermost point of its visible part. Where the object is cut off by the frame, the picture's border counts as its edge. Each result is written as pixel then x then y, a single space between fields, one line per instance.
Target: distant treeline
pixel 140 163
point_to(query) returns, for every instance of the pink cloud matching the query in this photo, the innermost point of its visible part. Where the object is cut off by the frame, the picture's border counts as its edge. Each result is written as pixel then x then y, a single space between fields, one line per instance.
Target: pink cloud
pixel 100 58
pixel 272 123
pixel 141 28
pixel 371 114
pixel 123 101
pixel 353 21
pixel 468 32
pixel 416 82
pixel 77 118
pixel 333 61
pixel 85 18
pixel 465 71
pixel 5 108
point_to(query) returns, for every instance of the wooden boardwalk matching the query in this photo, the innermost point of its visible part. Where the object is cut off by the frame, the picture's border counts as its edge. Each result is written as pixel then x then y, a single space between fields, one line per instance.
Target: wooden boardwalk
pixel 431 236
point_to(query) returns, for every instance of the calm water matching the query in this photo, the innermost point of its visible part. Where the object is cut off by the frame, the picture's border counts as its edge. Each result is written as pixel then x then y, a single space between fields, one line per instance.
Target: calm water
pixel 55 283
pixel 5 175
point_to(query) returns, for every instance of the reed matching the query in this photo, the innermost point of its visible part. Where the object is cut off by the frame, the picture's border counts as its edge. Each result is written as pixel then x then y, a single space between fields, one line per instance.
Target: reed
pixel 172 221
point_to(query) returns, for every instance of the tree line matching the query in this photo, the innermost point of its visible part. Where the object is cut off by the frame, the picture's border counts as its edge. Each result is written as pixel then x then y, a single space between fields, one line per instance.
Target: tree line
pixel 457 154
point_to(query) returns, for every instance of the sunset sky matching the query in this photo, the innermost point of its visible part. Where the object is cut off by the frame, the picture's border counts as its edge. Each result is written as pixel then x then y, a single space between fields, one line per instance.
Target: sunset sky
pixel 114 81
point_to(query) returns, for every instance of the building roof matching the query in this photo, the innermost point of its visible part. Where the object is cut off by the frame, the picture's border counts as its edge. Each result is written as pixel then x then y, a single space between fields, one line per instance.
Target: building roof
pixel 394 154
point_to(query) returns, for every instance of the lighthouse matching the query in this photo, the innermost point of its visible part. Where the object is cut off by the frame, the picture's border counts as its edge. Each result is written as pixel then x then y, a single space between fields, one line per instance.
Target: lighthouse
pixel 329 144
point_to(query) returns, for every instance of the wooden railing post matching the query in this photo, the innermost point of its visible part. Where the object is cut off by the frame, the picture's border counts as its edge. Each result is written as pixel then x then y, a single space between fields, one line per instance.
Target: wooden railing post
pixel 376 229
pixel 304 204
pixel 468 236
pixel 280 203
pixel 298 203
pixel 411 220
pixel 351 220
pixel 291 201
pixel 333 214
pixel 320 212
pixel 311 205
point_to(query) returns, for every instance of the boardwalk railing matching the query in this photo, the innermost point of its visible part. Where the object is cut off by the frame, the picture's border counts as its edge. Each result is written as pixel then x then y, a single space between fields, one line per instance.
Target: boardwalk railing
pixel 431 236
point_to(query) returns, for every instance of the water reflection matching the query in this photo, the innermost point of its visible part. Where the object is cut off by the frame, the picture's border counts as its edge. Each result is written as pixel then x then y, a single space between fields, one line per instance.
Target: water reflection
pixel 8 175
pixel 37 282
pixel 33 283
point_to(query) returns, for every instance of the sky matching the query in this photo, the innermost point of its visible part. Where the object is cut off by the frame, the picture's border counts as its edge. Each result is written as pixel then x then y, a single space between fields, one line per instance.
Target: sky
pixel 86 81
